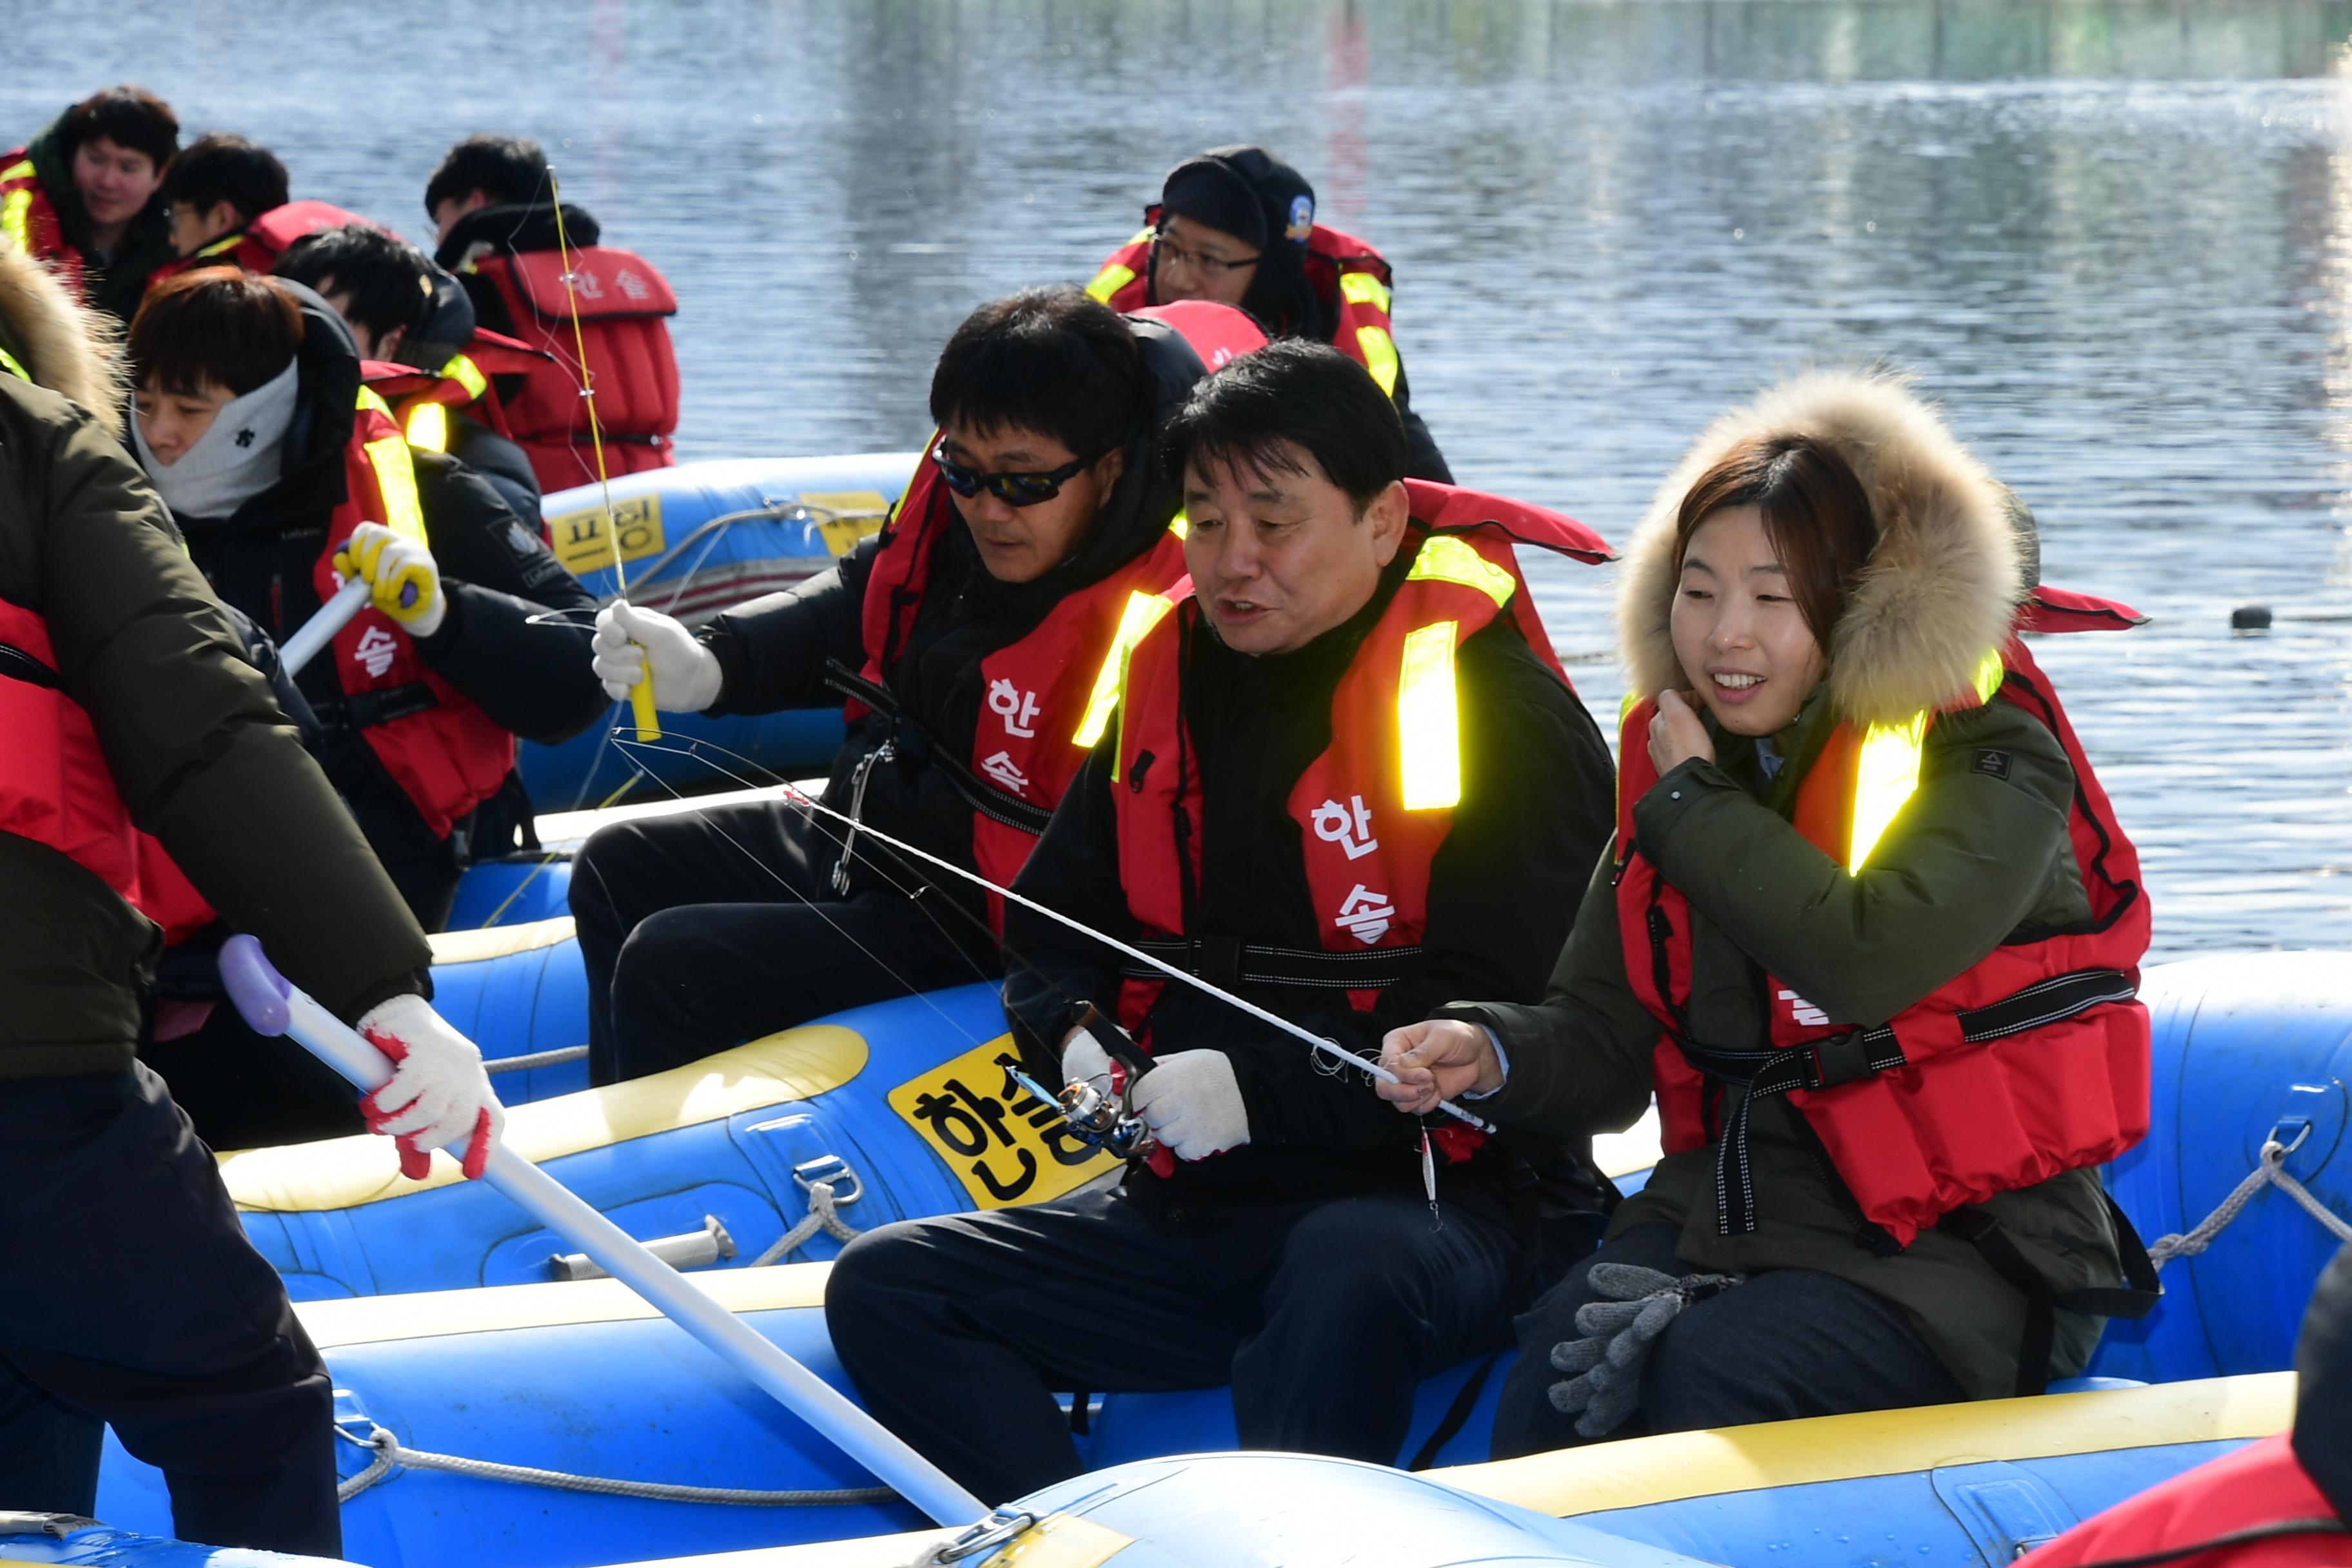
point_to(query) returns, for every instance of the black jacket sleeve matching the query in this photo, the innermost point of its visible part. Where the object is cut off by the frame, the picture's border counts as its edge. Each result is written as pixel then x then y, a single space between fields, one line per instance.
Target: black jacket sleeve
pixel 772 651
pixel 199 750
pixel 1537 794
pixel 1050 970
pixel 515 636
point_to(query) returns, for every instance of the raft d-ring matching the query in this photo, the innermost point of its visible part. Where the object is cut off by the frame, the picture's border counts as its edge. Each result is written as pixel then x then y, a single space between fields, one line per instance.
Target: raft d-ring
pixel 2302 1124
pixel 999 1529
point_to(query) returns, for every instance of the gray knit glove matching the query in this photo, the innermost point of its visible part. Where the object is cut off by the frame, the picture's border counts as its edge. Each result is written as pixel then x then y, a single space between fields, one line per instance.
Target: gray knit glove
pixel 1636 1306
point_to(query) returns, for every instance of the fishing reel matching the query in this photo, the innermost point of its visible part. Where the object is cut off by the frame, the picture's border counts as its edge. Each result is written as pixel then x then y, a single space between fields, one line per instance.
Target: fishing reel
pixel 1105 1120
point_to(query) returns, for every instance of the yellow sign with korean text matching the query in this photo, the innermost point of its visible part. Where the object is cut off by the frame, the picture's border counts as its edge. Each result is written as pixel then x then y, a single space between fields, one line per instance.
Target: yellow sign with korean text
pixel 1002 1144
pixel 579 542
pixel 847 517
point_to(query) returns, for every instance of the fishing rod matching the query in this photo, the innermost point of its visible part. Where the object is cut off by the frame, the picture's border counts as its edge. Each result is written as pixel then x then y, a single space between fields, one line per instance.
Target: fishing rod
pixel 1321 1046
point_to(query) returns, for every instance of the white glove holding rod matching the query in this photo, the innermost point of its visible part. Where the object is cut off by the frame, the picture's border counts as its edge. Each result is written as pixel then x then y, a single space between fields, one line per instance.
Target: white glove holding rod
pixel 1084 1061
pixel 686 675
pixel 404 581
pixel 438 1093
pixel 1193 1103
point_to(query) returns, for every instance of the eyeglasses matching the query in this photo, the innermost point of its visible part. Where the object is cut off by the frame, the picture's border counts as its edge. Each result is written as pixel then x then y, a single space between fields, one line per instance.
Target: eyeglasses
pixel 1013 489
pixel 1209 266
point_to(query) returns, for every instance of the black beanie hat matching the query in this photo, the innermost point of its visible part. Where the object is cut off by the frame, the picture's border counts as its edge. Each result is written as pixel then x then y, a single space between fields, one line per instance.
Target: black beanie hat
pixel 1256 197
pixel 2323 1405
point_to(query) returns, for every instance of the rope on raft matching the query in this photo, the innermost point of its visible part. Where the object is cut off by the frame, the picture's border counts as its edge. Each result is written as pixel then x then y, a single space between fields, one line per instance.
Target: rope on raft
pixel 2270 1171
pixel 391 1455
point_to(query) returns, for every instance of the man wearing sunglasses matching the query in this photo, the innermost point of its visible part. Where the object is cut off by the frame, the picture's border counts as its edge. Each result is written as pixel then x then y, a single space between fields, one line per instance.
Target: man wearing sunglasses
pixel 1236 225
pixel 969 638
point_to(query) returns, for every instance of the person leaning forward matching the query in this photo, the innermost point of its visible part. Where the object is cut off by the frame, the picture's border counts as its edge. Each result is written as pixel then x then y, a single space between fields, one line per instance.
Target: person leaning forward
pixel 970 636
pixel 128 1295
pixel 1849 799
pixel 1348 779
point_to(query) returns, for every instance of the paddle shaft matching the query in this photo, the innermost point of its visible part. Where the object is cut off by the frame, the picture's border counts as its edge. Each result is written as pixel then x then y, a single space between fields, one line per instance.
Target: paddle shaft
pixel 545 1199
pixel 319 629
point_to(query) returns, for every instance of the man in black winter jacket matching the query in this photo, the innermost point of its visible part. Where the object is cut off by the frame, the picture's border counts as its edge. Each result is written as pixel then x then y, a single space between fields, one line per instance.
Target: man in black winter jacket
pixel 1252 816
pixel 263 358
pixel 1036 512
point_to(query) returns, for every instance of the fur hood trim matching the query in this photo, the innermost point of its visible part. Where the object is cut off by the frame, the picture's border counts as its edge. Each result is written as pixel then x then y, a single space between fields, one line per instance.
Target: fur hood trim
pixel 1941 590
pixel 66 347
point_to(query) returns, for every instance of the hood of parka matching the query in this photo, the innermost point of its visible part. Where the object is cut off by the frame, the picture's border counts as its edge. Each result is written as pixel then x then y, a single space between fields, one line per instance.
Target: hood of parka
pixel 1941 589
pixel 311 482
pixel 66 347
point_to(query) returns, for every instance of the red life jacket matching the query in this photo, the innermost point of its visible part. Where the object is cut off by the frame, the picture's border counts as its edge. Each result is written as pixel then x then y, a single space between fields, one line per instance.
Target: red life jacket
pixel 1373 808
pixel 446 753
pixel 1046 696
pixel 257 247
pixel 54 786
pixel 2032 1062
pixel 422 400
pixel 1349 275
pixel 2260 1489
pixel 28 220
pixel 622 301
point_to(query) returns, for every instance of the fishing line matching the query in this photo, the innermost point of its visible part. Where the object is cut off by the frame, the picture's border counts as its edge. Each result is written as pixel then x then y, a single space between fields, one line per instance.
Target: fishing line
pixel 1273 1020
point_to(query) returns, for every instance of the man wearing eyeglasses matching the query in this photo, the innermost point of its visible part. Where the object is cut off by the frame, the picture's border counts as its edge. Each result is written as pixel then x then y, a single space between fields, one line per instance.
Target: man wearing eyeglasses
pixel 969 638
pixel 1236 225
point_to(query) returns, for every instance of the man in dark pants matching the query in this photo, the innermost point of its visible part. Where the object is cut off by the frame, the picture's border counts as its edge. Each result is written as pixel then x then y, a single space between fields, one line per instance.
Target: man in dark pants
pixel 128 1295
pixel 1347 780
pixel 970 635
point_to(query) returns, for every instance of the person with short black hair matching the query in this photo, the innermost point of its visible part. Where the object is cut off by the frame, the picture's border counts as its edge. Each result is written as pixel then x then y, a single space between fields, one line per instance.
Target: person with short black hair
pixel 215 187
pixel 544 276
pixel 970 636
pixel 85 195
pixel 254 427
pixel 1347 780
pixel 403 309
pixel 1237 224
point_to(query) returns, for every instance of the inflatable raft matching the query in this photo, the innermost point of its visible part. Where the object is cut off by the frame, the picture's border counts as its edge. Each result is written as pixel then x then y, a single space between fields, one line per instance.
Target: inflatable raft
pixel 694 541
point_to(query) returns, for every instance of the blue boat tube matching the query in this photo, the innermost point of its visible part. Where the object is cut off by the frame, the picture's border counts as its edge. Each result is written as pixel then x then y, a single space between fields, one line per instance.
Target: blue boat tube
pixel 694 541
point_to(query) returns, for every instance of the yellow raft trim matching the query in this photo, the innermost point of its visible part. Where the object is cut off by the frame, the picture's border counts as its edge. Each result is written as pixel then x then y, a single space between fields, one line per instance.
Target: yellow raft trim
pixel 343 1172
pixel 497 1308
pixel 1640 1471
pixel 498 942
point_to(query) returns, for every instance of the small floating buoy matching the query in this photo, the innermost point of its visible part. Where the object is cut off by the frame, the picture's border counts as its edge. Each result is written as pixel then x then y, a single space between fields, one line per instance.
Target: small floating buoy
pixel 2249 619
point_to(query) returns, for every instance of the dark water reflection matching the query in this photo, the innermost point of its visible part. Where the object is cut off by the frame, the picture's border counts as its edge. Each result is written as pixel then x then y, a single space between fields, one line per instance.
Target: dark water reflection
pixel 2113 238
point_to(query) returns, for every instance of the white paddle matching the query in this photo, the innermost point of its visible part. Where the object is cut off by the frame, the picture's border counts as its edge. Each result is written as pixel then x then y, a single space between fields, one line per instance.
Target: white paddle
pixel 319 629
pixel 273 1006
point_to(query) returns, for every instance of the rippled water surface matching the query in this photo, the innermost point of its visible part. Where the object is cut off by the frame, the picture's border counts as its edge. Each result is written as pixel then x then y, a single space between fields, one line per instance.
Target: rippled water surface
pixel 2115 239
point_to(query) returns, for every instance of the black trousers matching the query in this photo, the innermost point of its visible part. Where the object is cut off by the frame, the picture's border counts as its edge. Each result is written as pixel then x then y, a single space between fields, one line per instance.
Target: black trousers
pixel 130 1298
pixel 958 1330
pixel 245 1090
pixel 1788 1343
pixel 710 928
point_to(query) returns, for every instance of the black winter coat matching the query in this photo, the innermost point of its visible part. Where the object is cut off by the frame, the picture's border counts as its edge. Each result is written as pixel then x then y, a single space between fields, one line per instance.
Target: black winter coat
pixel 1537 792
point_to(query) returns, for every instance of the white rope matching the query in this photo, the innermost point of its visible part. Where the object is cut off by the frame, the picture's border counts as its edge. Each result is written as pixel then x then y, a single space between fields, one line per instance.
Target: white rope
pixel 2270 1170
pixel 822 1215
pixel 524 1063
pixel 391 1456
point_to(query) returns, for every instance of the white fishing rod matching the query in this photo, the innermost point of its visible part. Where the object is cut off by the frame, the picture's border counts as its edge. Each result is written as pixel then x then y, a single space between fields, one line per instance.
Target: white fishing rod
pixel 1273 1020
pixel 274 1006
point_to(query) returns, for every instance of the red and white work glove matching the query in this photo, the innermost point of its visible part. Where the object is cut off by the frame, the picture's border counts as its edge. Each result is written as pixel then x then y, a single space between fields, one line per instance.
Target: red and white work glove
pixel 1193 1103
pixel 404 582
pixel 438 1098
pixel 630 642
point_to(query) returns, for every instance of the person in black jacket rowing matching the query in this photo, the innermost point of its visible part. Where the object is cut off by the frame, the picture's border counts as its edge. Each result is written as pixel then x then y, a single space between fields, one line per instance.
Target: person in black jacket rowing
pixel 970 636
pixel 1346 780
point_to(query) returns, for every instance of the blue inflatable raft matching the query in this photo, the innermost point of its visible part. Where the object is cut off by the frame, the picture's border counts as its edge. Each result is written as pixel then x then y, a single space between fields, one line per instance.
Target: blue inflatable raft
pixel 694 541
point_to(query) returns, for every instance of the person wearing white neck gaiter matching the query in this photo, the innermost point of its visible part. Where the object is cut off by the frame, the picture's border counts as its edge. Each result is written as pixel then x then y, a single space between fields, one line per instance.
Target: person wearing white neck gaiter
pixel 210 451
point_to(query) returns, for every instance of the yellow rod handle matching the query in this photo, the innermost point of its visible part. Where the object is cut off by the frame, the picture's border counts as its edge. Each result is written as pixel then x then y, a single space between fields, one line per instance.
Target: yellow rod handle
pixel 641 705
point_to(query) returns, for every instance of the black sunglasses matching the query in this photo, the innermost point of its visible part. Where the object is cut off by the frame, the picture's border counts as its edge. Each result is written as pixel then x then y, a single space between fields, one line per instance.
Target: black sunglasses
pixel 1013 489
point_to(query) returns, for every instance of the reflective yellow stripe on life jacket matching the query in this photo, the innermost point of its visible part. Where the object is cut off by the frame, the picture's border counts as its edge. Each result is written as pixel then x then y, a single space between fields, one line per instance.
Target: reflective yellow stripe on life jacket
pixel 16 207
pixel 1363 288
pixel 468 375
pixel 395 474
pixel 1429 741
pixel 429 426
pixel 15 366
pixel 220 247
pixel 1380 354
pixel 1115 277
pixel 1142 613
pixel 1886 770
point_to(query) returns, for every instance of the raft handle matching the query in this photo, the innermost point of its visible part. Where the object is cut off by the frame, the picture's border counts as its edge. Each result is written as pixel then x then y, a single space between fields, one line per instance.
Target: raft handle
pixel 692 1249
pixel 832 1170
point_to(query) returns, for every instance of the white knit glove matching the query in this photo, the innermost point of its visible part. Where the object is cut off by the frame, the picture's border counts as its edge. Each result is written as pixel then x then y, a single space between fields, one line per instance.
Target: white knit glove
pixel 403 579
pixel 439 1096
pixel 686 676
pixel 1084 1061
pixel 1193 1103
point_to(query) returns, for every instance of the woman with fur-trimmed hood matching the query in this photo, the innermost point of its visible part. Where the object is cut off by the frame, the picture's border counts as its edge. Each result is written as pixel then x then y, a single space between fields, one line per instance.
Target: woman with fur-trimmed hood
pixel 1869 932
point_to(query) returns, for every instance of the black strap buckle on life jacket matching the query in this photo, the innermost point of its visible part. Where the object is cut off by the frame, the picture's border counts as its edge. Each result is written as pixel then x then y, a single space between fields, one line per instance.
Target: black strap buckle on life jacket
pixel 998 806
pixel 366 710
pixel 1228 962
pixel 2133 1300
pixel 19 665
pixel 1858 1053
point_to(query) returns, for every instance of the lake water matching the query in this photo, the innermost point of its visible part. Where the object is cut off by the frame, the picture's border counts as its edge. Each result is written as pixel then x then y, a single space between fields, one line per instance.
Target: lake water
pixel 2113 239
